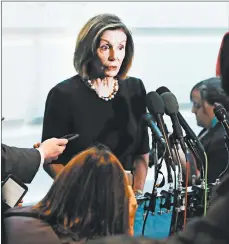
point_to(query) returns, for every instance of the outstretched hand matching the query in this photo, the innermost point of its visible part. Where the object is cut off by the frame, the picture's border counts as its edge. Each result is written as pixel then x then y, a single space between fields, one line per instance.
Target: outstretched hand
pixel 52 148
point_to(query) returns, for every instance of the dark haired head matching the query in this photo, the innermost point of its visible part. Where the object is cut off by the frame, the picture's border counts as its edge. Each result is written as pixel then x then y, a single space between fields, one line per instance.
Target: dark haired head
pixel 86 61
pixel 89 197
pixel 212 92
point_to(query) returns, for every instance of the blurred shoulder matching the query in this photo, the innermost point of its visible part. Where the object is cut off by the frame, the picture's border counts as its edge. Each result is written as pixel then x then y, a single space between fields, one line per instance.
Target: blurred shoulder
pixel 20 211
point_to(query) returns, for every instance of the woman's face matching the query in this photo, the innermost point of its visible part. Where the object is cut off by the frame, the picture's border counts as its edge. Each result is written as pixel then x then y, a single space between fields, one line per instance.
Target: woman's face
pixel 111 51
pixel 202 110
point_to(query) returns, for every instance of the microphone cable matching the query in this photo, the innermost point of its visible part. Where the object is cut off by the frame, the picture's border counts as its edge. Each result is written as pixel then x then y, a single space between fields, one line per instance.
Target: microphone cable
pixel 154 185
pixel 186 188
pixel 186 191
pixel 205 183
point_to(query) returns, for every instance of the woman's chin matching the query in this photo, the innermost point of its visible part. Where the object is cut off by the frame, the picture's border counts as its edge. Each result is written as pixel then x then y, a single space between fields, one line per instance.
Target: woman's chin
pixel 111 73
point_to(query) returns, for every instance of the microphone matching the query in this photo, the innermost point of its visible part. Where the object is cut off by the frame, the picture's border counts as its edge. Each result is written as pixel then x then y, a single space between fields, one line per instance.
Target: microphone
pixel 154 128
pixel 171 109
pixel 189 132
pixel 191 139
pixel 156 107
pixel 221 115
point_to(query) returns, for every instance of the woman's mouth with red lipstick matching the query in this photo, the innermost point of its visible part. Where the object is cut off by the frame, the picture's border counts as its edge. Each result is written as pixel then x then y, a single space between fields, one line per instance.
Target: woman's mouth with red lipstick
pixel 112 68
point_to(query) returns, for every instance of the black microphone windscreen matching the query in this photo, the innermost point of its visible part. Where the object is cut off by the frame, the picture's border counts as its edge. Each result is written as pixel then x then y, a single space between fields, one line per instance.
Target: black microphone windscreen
pixel 154 103
pixel 162 90
pixel 220 111
pixel 170 103
pixel 218 106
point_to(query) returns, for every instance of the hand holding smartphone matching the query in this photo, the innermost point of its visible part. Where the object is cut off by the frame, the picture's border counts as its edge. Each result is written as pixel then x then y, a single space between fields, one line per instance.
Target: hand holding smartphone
pixel 71 137
pixel 13 190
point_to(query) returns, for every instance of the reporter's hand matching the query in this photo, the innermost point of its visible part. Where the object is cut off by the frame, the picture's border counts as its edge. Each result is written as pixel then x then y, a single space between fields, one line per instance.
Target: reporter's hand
pixel 52 148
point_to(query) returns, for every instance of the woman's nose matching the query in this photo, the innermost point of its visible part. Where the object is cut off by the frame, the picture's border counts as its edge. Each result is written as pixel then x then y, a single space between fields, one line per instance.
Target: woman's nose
pixel 113 55
pixel 193 110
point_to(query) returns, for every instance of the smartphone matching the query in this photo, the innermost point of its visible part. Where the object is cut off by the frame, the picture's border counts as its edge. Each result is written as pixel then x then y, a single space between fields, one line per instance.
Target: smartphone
pixel 71 137
pixel 13 190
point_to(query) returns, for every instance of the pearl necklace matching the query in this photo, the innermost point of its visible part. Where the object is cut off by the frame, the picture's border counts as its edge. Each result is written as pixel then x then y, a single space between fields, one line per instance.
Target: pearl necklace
pixel 112 94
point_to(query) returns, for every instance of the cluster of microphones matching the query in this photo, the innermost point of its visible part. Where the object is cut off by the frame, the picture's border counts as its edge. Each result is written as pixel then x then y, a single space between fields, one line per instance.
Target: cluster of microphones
pixel 160 102
pixel 163 101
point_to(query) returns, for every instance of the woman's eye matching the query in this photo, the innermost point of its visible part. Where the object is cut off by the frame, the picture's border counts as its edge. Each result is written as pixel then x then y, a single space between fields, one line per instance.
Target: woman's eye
pixel 121 47
pixel 104 47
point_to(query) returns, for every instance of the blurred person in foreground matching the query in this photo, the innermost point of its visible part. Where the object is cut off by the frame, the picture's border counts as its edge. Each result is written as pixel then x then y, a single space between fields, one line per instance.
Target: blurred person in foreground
pixel 89 198
pixel 101 103
pixel 209 229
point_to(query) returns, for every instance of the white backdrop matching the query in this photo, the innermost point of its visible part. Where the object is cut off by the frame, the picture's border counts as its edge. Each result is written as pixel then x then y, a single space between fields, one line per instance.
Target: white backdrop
pixel 176 45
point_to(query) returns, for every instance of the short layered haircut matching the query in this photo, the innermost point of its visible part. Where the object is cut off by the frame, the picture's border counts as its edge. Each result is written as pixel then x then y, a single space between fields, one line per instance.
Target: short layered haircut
pixel 89 38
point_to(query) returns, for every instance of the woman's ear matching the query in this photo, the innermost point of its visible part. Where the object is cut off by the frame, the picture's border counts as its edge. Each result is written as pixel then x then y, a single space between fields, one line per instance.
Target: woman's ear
pixel 208 108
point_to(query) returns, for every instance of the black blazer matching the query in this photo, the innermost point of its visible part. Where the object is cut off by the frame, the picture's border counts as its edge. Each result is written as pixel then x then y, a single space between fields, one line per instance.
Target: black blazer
pixel 21 162
pixel 214 145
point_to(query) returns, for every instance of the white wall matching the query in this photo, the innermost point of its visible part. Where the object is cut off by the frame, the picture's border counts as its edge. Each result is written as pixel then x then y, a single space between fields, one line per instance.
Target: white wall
pixel 176 45
pixel 72 15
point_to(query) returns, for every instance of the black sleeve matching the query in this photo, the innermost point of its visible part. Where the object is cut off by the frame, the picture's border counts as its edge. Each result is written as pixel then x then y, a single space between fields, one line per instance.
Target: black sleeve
pixel 217 160
pixel 21 162
pixel 55 123
pixel 143 147
pixel 57 118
